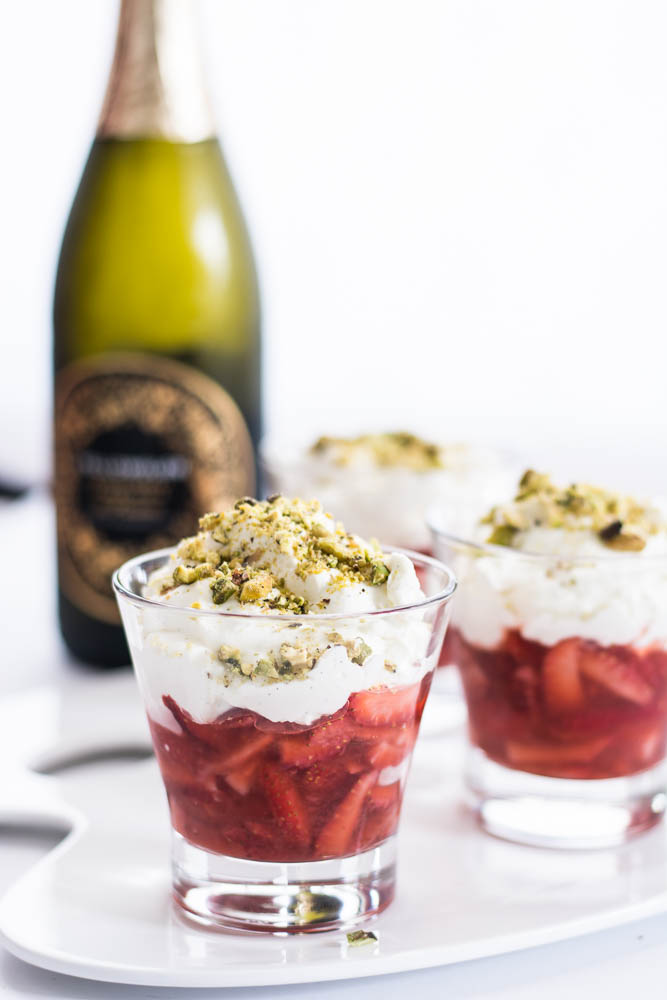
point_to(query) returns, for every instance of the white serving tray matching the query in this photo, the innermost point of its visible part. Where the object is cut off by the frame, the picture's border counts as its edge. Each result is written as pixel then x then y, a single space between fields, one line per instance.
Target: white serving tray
pixel 99 904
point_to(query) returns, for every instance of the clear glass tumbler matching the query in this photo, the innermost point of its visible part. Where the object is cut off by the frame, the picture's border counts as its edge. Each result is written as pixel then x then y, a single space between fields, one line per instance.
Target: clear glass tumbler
pixel 278 825
pixel 564 667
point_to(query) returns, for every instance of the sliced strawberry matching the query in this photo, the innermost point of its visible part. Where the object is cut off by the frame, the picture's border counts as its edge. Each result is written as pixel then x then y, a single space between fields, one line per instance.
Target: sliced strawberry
pixel 259 830
pixel 251 747
pixel 523 651
pixel 335 838
pixel 242 779
pixel 389 753
pixel 287 805
pixel 213 734
pixel 650 745
pixel 521 754
pixel 652 665
pixel 323 785
pixel 384 706
pixel 523 689
pixel 561 680
pixel 589 722
pixel 617 676
pixel 379 826
pixel 323 743
pixel 385 796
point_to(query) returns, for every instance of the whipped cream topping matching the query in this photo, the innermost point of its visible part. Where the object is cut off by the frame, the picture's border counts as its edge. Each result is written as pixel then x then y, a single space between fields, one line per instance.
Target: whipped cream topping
pixel 263 575
pixel 383 485
pixel 556 575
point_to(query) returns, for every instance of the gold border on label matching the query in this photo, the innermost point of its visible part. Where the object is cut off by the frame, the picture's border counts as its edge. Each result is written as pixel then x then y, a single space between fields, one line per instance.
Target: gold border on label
pixel 210 431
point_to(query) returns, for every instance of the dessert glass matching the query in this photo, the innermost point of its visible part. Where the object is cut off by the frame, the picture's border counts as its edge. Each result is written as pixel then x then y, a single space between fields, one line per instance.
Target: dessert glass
pixel 391 501
pixel 275 825
pixel 564 668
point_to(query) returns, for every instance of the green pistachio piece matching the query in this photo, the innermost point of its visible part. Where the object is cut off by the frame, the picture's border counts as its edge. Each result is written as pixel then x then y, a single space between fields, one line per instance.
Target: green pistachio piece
pixel 257 588
pixel 502 534
pixel 222 589
pixel 230 657
pixel 358 651
pixel 357 938
pixel 190 574
pixel 379 574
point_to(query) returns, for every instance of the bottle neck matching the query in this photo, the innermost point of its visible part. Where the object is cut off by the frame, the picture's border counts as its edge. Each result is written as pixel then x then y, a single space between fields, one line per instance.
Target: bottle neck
pixel 156 87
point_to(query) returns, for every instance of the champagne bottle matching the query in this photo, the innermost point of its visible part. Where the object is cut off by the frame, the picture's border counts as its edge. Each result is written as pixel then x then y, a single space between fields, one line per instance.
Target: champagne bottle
pixel 156 328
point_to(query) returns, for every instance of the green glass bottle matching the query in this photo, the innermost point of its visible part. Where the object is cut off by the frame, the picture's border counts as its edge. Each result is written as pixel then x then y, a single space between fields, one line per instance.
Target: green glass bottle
pixel 156 328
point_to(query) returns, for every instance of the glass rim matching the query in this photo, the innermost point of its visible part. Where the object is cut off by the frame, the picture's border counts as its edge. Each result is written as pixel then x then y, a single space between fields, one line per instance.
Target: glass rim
pixel 441 597
pixel 490 549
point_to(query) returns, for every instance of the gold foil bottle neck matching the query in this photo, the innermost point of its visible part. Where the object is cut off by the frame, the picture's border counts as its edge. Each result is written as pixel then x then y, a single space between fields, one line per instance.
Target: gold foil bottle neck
pixel 156 88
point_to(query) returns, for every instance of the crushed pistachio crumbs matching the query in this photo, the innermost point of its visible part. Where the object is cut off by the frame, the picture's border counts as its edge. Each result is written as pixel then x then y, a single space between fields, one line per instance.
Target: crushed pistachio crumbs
pixel 239 568
pixel 394 448
pixel 291 662
pixel 620 522
pixel 242 568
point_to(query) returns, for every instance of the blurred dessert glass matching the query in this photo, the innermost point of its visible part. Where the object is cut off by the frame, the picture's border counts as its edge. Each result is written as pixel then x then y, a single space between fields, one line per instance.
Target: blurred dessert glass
pixel 382 485
pixel 560 635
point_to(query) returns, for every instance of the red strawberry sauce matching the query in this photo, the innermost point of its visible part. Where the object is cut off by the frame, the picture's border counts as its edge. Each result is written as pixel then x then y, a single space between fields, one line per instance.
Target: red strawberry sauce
pixel 573 710
pixel 250 788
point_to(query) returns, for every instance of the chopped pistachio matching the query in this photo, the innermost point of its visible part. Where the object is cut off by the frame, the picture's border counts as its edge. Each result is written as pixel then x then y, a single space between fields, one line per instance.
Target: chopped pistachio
pixel 266 667
pixel 222 589
pixel 379 574
pixel 296 660
pixel 394 448
pixel 625 541
pixel 620 522
pixel 210 521
pixel 502 534
pixel 190 574
pixel 230 656
pixel 258 587
pixel 241 563
pixel 357 938
pixel 358 651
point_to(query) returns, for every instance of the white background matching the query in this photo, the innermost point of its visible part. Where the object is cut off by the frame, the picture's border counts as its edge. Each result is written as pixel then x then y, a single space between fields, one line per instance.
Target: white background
pixel 458 206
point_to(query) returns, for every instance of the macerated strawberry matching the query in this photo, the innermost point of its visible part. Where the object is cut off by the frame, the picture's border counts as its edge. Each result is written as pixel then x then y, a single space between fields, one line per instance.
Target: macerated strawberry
pixel 589 721
pixel 650 745
pixel 385 706
pixel 323 743
pixel 620 678
pixel 561 677
pixel 323 785
pixel 524 689
pixel 286 804
pixel 652 665
pixel 242 779
pixel 237 718
pixel 335 839
pixel 388 753
pixel 213 734
pixel 555 753
pixel 385 796
pixel 249 749
pixel 524 651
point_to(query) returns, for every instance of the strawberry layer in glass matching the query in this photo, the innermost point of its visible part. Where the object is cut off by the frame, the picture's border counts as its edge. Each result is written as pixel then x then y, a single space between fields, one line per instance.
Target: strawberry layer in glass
pixel 572 710
pixel 249 788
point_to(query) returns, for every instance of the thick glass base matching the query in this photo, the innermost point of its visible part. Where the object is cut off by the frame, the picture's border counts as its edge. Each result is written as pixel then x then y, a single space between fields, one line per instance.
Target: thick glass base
pixel 562 813
pixel 223 892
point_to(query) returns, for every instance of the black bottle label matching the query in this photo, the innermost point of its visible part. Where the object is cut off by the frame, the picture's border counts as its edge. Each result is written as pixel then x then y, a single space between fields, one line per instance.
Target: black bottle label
pixel 143 447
